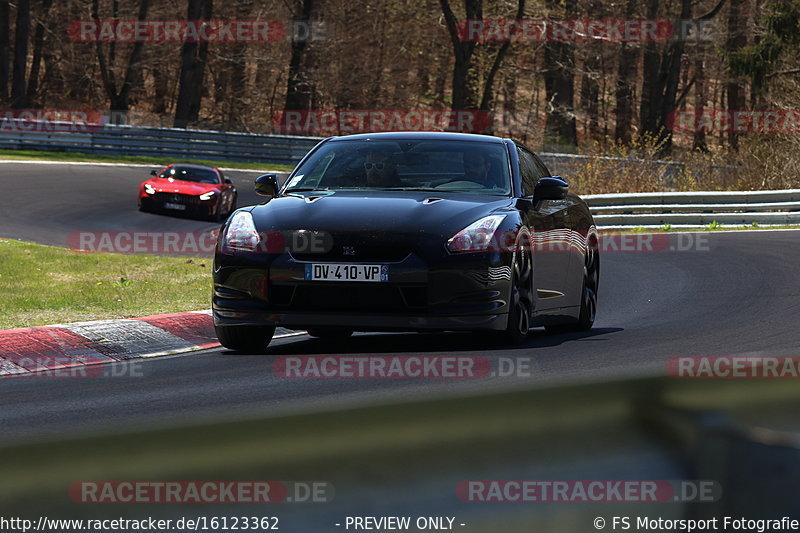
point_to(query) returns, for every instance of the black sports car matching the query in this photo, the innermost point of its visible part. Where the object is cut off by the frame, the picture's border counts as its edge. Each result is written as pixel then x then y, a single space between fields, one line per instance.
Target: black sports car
pixel 407 232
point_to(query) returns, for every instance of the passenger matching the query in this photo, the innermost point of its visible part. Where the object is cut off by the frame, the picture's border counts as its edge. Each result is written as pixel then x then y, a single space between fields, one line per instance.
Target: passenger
pixel 477 168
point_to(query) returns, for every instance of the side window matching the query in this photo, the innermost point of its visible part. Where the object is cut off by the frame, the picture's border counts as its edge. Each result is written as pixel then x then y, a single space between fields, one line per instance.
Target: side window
pixel 528 171
pixel 540 166
pixel 221 176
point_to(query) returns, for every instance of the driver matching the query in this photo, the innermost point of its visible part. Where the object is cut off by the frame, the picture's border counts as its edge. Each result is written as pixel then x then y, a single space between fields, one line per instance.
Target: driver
pixel 381 169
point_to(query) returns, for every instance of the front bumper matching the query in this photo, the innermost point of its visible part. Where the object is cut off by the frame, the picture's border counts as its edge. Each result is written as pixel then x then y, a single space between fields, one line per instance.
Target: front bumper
pixel 454 292
pixel 193 205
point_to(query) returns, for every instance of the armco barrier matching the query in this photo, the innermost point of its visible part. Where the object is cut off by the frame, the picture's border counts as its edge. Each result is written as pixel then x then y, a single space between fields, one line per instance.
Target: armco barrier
pixel 164 142
pixel 779 207
pixel 225 146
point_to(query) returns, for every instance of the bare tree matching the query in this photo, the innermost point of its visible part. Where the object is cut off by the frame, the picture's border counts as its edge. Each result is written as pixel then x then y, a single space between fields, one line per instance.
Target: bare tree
pixel 736 39
pixel 22 30
pixel 5 31
pixel 193 62
pixel 118 94
pixel 559 82
pixel 300 88
pixel 468 91
pixel 624 87
pixel 38 46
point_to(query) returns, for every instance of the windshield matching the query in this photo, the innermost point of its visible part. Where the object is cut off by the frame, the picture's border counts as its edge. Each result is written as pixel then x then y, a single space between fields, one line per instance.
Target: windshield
pixel 198 175
pixel 447 166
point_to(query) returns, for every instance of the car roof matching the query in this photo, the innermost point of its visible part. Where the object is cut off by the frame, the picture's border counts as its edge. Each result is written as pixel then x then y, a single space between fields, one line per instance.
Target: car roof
pixel 189 165
pixel 419 136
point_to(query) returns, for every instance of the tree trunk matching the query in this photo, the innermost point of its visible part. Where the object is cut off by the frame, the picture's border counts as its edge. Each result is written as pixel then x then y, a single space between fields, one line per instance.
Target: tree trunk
pixel 590 76
pixel 649 98
pixel 38 43
pixel 22 33
pixel 628 59
pixel 699 141
pixel 119 98
pixel 5 49
pixel 193 61
pixel 559 82
pixel 465 82
pixel 736 39
pixel 300 88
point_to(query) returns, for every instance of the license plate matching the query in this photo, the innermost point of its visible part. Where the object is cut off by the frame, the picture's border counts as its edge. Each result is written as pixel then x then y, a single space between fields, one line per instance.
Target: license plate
pixel 334 272
pixel 179 207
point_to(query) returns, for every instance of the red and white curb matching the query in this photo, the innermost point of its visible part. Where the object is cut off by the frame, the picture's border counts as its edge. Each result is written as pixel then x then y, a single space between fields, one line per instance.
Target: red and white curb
pixel 103 341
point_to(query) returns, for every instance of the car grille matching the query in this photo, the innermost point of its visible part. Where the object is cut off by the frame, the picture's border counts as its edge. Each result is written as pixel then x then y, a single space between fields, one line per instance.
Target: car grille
pixel 388 253
pixel 175 198
pixel 355 298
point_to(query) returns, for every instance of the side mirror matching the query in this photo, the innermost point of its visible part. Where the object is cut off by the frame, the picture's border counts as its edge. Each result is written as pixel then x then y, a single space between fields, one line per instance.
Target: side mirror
pixel 267 185
pixel 550 188
pixel 228 181
pixel 154 173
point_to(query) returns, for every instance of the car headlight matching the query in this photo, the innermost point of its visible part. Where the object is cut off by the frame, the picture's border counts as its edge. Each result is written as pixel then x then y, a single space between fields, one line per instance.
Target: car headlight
pixel 208 196
pixel 477 236
pixel 241 235
pixel 149 189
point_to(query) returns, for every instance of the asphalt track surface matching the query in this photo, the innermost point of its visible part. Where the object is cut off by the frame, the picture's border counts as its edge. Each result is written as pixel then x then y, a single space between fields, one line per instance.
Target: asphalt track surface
pixel 731 293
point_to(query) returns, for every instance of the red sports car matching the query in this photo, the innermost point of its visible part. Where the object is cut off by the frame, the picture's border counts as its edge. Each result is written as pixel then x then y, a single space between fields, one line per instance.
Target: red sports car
pixel 190 189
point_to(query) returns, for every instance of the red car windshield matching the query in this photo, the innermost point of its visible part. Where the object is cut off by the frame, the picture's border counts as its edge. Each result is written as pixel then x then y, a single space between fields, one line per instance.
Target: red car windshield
pixel 197 175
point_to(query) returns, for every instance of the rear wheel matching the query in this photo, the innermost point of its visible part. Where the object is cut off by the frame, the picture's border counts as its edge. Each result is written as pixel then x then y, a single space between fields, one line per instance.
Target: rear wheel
pixel 330 333
pixel 251 339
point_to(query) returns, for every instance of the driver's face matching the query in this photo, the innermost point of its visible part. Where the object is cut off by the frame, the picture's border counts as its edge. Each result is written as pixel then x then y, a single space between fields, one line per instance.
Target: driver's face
pixel 378 167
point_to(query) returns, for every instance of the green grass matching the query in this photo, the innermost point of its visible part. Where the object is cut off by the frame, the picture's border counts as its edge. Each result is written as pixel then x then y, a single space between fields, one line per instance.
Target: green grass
pixel 75 157
pixel 47 285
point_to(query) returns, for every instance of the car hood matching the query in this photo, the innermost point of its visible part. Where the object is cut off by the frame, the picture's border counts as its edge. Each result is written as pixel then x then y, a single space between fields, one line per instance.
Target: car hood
pixel 182 187
pixel 407 212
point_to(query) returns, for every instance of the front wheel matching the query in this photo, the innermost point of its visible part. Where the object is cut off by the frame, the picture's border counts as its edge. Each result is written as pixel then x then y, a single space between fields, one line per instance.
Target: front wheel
pixel 250 339
pixel 519 311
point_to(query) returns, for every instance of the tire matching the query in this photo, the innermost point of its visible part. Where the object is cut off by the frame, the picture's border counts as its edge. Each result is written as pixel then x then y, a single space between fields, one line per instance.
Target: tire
pixel 330 333
pixel 519 312
pixel 591 281
pixel 250 339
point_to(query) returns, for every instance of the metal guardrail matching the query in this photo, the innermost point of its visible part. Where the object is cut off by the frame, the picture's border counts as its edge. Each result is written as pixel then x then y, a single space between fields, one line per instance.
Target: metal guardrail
pixel 781 207
pixel 162 142
pixel 223 146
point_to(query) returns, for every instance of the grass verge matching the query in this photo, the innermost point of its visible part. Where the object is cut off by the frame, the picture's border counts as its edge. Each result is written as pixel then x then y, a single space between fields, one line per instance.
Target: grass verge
pixel 78 157
pixel 48 285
